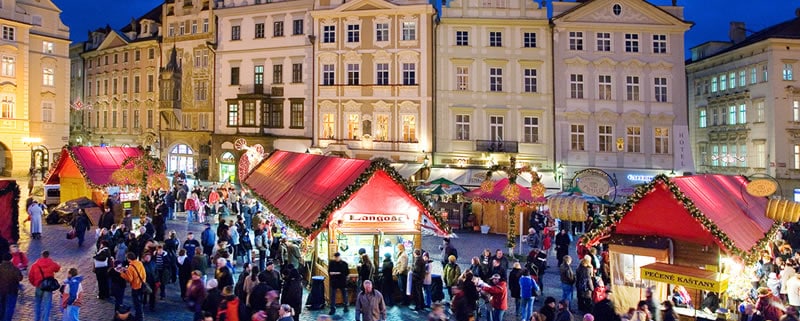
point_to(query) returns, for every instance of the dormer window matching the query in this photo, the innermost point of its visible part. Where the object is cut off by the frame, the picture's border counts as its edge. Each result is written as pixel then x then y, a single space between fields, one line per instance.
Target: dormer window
pixel 145 28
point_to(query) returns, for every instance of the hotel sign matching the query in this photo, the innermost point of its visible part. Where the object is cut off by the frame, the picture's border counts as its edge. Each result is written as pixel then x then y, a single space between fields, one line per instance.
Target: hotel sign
pixel 688 281
pixel 376 218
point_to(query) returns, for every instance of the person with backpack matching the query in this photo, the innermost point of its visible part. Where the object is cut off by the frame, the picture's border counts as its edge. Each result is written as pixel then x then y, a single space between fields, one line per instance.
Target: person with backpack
pixel 72 296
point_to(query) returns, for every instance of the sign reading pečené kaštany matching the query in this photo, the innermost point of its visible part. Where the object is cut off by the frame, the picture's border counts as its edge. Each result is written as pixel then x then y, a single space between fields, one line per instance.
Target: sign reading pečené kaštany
pixel 685 280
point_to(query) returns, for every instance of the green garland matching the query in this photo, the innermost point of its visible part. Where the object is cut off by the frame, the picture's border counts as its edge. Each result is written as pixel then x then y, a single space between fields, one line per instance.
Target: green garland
pixel 609 225
pixel 339 201
pixel 13 187
pixel 511 236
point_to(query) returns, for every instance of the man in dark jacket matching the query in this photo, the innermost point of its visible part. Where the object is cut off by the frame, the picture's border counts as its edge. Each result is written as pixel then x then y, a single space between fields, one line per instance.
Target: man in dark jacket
pixel 338 271
pixel 223 274
pixel 106 219
pixel 169 202
pixel 567 279
pixel 604 310
pixel 563 241
pixel 273 277
pixel 257 300
pixel 208 239
pixel 10 277
pixel 418 276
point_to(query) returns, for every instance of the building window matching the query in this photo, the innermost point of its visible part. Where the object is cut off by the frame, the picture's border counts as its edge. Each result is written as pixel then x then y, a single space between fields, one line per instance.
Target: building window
pixel 382 74
pixel 234 76
pixel 194 26
pixel 183 29
pixel 9 66
pixel 200 90
pixel 296 109
pixel 116 59
pixel 151 84
pixel 495 79
pixel 702 120
pixel 723 82
pixel 297 27
pixel 328 75
pixel 796 111
pixel 7 108
pixel 604 87
pixel 631 42
pixel 462 127
pixel 297 73
pixel 47 112
pixel 328 34
pixel 732 79
pixel 136 84
pixel 604 41
pixel 714 84
pixel 353 74
pixel 462 78
pixel 277 74
pixel 743 155
pixel 49 78
pixel 409 31
pixel 125 85
pixel 151 53
pixel 114 119
pixel 114 86
pixel 258 74
pixel 576 86
pixel 529 40
pixel 277 29
pixel 203 121
pixel 577 137
pixel 125 57
pixel 236 32
pixel 462 38
pixel 787 72
pixel 353 33
pixel 353 126
pixel 575 40
pixel 9 33
pixel 105 86
pixel 381 32
pixel 760 112
pixel 732 115
pixel 233 114
pixel 124 119
pixel 660 44
pixel 136 119
pixel 205 25
pixel 530 130
pixel 764 73
pixel 496 128
pixel 796 156
pixel 495 39
pixel 273 115
pixel 714 155
pixel 761 154
pixel 742 113
pixel 634 138
pixel 660 89
pixel 529 80
pixel 632 88
pixel 742 78
pixel 382 128
pixel 249 113
pixel 409 128
pixel 753 76
pixel 605 138
pixel 105 119
pixel 186 122
pixel 260 30
pixel 137 55
pixel 661 137
pixel 714 117
pixel 328 126
pixel 47 47
pixel 409 74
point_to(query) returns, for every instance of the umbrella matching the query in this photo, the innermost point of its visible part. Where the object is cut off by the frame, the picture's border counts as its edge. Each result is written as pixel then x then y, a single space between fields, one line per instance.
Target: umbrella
pixel 441 186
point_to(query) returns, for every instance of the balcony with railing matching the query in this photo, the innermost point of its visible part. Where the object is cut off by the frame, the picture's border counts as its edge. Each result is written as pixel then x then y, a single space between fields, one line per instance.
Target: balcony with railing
pixel 497 146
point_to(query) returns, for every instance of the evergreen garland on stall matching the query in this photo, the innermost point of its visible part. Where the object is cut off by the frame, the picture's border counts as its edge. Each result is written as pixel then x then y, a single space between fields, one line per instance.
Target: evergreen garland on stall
pixel 13 187
pixel 376 165
pixel 608 226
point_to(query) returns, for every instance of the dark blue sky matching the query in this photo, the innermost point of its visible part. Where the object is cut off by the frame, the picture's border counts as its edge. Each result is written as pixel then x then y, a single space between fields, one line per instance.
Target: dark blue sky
pixel 711 17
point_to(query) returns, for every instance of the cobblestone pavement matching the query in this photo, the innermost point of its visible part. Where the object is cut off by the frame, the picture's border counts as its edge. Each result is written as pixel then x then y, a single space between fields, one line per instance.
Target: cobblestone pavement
pixel 68 254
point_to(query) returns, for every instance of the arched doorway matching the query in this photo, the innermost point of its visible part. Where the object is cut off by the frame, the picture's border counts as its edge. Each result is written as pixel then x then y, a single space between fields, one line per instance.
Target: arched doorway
pixel 181 158
pixel 5 160
pixel 227 167
pixel 40 160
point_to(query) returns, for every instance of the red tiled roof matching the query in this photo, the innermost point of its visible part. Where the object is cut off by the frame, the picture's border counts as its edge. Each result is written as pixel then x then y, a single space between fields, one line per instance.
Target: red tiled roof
pixel 95 162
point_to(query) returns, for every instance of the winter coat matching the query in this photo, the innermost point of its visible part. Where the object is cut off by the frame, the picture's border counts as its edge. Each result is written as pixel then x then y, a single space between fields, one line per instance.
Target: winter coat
pixel 527 287
pixel 451 273
pixel 370 306
pixel 228 309
pixel 567 274
pixel 513 282
pixel 401 268
pixel 10 277
pixel 195 294
pixel 338 281
pixel 499 294
pixel 41 269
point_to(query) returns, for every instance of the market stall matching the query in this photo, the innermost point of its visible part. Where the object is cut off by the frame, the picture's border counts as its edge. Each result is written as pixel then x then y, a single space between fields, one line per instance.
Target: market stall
pixel 446 196
pixel 696 233
pixel 342 205
pixel 9 210
pixel 86 171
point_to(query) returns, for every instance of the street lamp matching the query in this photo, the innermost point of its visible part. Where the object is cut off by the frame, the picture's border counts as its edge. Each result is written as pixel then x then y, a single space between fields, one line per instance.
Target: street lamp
pixel 30 141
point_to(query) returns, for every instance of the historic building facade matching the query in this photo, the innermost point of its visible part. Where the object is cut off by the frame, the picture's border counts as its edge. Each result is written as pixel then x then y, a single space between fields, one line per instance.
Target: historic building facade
pixel 77 130
pixel 744 104
pixel 186 107
pixel 120 91
pixel 373 88
pixel 34 80
pixel 263 84
pixel 494 93
pixel 620 91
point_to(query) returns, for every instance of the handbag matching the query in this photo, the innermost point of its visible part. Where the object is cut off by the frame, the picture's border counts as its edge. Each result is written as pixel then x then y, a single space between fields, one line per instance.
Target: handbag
pixel 48 284
pixel 71 234
pixel 146 287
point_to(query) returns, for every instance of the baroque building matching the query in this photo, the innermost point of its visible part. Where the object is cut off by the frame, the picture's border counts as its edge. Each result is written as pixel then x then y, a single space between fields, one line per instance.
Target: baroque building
pixel 744 104
pixel 120 88
pixel 494 92
pixel 185 84
pixel 263 84
pixel 620 92
pixel 373 84
pixel 34 80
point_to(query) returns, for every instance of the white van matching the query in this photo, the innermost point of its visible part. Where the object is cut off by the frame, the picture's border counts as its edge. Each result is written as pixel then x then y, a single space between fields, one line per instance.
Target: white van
pixel 52 195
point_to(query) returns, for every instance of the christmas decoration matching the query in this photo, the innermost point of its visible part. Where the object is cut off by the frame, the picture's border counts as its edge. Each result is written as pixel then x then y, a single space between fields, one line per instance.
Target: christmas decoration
pixel 144 172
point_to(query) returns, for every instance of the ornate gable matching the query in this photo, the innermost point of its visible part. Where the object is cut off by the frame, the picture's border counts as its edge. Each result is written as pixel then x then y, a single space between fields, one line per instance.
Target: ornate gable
pixel 634 12
pixel 113 40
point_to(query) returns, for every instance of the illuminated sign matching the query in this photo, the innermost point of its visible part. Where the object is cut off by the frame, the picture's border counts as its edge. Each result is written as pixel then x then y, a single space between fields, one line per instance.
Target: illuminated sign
pixel 640 178
pixel 377 218
pixel 688 281
pixel 761 187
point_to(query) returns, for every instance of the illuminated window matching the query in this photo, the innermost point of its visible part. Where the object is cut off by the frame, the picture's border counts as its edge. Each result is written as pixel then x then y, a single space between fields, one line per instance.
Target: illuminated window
pixel 634 137
pixel 353 126
pixel 604 87
pixel 661 140
pixel 9 66
pixel 530 130
pixel 382 128
pixel 409 128
pixel 605 138
pixel 702 120
pixel 7 108
pixel 233 114
pixel 49 77
pixel 462 127
pixel 577 137
pixel 328 126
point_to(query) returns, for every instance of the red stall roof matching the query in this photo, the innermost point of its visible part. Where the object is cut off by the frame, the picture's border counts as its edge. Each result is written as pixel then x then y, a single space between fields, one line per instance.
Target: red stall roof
pixel 704 209
pixel 95 163
pixel 305 188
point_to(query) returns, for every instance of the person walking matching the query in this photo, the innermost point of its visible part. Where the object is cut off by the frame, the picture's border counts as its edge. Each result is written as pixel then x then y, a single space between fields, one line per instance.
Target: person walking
pixel 18 258
pixel 563 240
pixel 135 274
pixel 223 274
pixel 292 293
pixel 567 278
pixel 35 213
pixel 369 304
pixel 564 314
pixel 527 292
pixel 42 269
pixel 191 205
pixel 499 292
pixel 228 306
pixel 184 271
pixel 387 282
pixel 117 283
pixel 450 275
pixel 401 272
pixel 213 298
pixel 418 276
pixel 10 278
pixel 208 239
pixel 338 271
pixel 106 219
pixel 195 293
pixel 427 281
pixel 72 297
pixel 584 284
pixel 513 286
pixel 163 270
pixel 81 224
pixel 102 261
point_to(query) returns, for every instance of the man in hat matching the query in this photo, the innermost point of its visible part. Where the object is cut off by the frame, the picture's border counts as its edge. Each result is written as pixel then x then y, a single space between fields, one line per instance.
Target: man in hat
pixel 499 292
pixel 338 271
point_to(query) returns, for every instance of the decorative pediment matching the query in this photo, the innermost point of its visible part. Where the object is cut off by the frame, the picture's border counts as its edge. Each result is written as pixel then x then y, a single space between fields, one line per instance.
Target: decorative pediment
pixel 632 12
pixel 408 56
pixel 605 61
pixel 381 107
pixel 408 107
pixel 633 117
pixel 662 119
pixel 327 106
pixel 359 5
pixel 8 87
pixel 352 107
pixel 636 63
pixel 661 65
pixel 606 116
pixel 578 115
pixel 382 56
pixel 352 57
pixel 327 58
pixel 576 61
pixel 8 47
pixel 113 40
pixel 48 95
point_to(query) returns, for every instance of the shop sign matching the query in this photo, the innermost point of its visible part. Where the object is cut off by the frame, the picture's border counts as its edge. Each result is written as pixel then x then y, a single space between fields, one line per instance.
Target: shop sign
pixel 592 183
pixel 640 178
pixel 761 187
pixel 128 197
pixel 685 280
pixel 377 218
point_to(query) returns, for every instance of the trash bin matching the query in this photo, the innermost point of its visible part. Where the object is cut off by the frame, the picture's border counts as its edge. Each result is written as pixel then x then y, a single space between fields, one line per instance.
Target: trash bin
pixel 316 299
pixel 437 288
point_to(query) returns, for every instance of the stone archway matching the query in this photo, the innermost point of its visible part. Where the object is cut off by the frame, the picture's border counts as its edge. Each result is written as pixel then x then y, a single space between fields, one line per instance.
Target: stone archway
pixel 6 163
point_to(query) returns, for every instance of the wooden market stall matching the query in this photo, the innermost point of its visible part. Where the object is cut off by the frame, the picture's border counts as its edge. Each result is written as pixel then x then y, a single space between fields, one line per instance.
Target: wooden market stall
pixel 342 205
pixel 85 171
pixel 695 232
pixel 491 206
